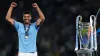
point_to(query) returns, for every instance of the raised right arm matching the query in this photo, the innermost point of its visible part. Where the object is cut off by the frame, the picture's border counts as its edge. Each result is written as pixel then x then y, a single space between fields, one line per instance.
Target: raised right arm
pixel 8 16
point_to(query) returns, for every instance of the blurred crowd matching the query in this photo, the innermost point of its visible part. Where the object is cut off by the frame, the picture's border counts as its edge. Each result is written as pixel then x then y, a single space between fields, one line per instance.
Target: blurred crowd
pixel 56 36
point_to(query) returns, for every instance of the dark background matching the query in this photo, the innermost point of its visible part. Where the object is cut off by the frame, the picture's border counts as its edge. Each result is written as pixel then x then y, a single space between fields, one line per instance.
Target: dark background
pixel 56 36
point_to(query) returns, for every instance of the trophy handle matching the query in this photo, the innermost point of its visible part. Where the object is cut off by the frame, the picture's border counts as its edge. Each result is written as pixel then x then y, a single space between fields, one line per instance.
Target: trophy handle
pixel 94 41
pixel 79 18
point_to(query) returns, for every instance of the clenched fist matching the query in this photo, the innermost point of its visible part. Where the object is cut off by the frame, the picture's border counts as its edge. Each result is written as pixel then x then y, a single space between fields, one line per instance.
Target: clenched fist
pixel 13 4
pixel 35 5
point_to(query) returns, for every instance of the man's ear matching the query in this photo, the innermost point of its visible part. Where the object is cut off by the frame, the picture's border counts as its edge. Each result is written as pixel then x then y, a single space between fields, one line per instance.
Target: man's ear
pixel 31 18
pixel 23 18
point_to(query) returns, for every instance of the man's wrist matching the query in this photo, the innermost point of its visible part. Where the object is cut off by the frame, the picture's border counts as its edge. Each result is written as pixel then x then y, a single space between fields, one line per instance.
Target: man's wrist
pixel 37 7
pixel 11 7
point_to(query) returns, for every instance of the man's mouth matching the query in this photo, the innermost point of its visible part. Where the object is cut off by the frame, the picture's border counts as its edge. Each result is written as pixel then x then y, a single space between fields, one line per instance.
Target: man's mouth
pixel 26 19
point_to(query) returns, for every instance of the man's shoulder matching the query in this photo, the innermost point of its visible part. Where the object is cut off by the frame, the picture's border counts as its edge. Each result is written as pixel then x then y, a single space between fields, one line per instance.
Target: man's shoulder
pixel 34 23
pixel 18 23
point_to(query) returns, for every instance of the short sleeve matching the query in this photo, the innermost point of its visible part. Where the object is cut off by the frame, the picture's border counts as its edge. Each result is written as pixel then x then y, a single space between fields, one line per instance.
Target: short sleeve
pixel 16 24
pixel 37 27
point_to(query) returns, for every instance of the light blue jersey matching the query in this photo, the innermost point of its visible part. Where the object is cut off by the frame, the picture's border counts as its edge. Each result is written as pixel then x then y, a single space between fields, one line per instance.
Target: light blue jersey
pixel 26 44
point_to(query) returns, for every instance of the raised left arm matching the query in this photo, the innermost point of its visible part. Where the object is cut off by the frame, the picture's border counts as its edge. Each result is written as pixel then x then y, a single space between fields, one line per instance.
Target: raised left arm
pixel 41 15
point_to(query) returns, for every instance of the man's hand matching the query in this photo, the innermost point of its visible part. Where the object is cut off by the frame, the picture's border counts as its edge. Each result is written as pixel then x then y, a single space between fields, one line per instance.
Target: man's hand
pixel 35 5
pixel 13 4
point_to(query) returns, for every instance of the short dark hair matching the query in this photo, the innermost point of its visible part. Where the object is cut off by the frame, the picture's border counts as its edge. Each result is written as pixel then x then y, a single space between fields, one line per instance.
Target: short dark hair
pixel 27 12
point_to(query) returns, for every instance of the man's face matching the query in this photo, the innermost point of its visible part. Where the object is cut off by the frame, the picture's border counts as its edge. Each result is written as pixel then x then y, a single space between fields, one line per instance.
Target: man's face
pixel 27 18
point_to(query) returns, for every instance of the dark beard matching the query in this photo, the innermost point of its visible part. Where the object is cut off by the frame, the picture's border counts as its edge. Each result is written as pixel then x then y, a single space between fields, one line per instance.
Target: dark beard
pixel 26 22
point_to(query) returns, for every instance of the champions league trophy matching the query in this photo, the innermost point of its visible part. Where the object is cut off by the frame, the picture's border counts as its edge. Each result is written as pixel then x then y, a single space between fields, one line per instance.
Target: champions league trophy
pixel 86 40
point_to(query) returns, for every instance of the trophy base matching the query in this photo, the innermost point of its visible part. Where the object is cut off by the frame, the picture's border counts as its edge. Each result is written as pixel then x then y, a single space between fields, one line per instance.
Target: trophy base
pixel 84 52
